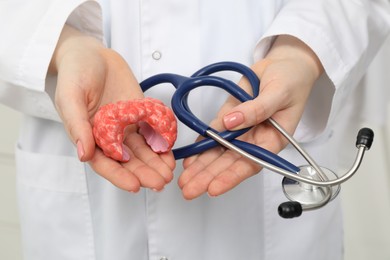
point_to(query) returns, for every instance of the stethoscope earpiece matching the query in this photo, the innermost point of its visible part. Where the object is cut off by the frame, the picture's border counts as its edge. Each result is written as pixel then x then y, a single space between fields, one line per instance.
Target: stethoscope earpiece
pixel 365 137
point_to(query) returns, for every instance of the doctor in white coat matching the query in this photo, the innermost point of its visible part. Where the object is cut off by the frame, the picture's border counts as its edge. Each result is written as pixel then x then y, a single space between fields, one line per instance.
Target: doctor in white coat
pixel 56 71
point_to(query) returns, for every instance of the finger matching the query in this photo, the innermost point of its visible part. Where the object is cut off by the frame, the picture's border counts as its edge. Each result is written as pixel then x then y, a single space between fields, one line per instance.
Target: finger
pixel 153 171
pixel 199 184
pixel 73 111
pixel 114 172
pixel 218 149
pixel 169 159
pixel 232 176
pixel 272 94
pixel 263 135
pixel 194 164
pixel 148 177
pixel 253 112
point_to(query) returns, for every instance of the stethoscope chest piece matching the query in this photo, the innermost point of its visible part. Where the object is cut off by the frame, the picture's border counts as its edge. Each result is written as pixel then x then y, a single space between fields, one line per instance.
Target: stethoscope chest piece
pixel 307 193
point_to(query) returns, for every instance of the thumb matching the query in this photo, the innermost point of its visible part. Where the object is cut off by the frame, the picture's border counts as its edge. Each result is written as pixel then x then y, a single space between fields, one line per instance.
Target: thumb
pixel 253 112
pixel 272 98
pixel 73 111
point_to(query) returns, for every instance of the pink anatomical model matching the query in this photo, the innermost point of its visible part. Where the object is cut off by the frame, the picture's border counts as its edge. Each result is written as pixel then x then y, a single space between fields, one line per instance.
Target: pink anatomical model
pixel 157 123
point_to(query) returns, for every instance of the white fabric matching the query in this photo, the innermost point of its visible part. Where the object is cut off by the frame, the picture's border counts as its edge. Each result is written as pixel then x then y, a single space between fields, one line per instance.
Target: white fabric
pixel 69 212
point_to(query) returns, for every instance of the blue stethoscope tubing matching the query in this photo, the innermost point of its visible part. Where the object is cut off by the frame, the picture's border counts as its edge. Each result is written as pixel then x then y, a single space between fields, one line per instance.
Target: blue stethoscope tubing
pixel 297 186
pixel 203 78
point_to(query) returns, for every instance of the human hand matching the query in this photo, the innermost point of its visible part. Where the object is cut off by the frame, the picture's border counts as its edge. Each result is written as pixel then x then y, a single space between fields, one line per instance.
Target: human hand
pixel 287 75
pixel 89 76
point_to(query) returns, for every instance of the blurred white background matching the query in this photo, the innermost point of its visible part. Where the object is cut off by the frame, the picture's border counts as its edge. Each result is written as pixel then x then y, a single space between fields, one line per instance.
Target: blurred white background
pixel 366 197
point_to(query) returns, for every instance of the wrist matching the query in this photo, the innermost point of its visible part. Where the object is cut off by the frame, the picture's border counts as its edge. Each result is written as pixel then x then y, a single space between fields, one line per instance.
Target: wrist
pixel 290 47
pixel 71 40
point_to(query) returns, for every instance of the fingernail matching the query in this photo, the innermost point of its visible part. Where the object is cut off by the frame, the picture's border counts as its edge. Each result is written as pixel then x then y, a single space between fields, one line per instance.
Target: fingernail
pixel 211 196
pixel 134 190
pixel 233 120
pixel 80 150
pixel 125 154
pixel 156 190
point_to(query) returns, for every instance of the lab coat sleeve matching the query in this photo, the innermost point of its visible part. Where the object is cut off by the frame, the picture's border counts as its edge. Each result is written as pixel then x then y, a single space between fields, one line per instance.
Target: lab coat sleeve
pixel 30 31
pixel 345 35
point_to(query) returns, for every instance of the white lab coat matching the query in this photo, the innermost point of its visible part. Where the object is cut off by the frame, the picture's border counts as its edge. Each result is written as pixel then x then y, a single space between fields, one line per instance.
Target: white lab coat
pixel 69 212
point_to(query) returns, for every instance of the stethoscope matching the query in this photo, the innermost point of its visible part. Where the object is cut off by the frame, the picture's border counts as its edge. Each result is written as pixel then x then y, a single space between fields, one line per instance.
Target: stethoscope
pixel 307 187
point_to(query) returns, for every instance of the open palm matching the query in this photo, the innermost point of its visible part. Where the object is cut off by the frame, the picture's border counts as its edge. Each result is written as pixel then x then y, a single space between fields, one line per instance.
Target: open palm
pixel 286 82
pixel 89 76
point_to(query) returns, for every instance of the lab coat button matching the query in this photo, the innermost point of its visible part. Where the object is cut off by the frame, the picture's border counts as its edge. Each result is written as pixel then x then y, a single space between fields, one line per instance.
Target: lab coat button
pixel 156 55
